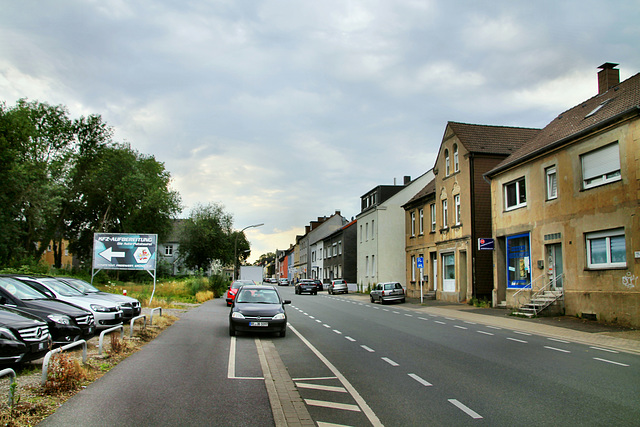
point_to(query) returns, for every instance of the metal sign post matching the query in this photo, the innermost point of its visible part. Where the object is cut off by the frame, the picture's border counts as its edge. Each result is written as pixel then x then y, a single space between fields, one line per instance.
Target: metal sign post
pixel 119 251
pixel 420 265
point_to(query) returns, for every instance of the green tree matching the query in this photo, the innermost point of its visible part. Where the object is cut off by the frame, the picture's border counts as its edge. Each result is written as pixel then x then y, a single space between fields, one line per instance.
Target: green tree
pixel 207 236
pixel 118 190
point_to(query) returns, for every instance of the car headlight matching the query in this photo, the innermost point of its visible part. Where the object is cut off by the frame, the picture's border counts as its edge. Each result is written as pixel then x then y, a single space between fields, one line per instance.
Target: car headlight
pixel 100 308
pixel 237 315
pixel 7 334
pixel 60 318
pixel 279 316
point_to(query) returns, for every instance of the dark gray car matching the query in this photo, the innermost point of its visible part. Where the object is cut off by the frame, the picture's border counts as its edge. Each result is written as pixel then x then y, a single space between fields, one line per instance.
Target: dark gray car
pixel 387 292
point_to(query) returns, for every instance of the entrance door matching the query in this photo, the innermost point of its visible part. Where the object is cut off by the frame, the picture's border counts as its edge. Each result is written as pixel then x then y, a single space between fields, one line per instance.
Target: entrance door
pixel 554 265
pixel 433 286
pixel 448 273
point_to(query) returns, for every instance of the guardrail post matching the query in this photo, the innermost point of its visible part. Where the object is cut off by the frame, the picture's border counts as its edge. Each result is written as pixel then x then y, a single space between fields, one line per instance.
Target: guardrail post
pixel 152 310
pixel 12 374
pixel 143 316
pixel 45 361
pixel 106 331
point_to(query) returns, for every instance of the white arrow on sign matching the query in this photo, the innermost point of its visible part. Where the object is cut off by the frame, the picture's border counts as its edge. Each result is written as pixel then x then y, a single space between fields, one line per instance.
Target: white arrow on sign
pixel 108 254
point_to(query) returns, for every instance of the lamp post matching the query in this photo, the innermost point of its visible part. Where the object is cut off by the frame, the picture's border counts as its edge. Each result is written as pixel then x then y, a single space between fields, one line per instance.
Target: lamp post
pixel 235 248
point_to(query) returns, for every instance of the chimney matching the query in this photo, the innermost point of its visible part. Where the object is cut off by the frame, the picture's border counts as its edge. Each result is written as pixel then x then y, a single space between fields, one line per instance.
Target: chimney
pixel 608 77
pixel 407 179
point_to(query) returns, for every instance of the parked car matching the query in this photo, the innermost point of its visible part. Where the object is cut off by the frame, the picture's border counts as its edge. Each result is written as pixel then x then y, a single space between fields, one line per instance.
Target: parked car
pixel 23 337
pixel 67 322
pixel 233 289
pixel 105 313
pixel 130 306
pixel 338 286
pixel 306 285
pixel 283 282
pixel 319 285
pixel 387 292
pixel 258 309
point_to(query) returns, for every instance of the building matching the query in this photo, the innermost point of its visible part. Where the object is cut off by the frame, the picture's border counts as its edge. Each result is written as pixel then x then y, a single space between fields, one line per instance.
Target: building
pixel 340 254
pixel 566 211
pixel 381 243
pixel 459 213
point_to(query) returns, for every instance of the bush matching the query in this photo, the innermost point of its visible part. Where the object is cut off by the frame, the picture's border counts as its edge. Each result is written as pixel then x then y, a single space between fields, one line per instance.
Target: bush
pixel 218 284
pixel 65 374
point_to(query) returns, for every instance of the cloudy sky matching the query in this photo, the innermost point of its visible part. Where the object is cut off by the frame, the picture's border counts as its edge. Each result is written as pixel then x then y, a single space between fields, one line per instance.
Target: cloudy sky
pixel 287 110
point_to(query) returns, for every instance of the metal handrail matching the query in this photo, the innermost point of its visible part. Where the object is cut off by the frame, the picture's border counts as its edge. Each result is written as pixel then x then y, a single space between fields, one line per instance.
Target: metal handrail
pixel 528 286
pixel 12 374
pixel 543 289
pixel 45 360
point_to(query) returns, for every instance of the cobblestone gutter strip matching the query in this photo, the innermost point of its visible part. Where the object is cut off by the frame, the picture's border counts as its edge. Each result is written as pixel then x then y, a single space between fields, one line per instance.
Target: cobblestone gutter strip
pixel 286 403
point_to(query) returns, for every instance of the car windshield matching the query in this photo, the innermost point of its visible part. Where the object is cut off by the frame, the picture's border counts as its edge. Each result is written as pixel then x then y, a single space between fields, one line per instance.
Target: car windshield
pixel 20 290
pixel 258 296
pixel 82 286
pixel 61 288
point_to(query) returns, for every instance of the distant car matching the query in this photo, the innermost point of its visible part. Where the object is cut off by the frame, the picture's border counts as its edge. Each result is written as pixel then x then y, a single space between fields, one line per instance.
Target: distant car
pixel 105 313
pixel 23 337
pixel 258 309
pixel 387 292
pixel 306 285
pixel 283 282
pixel 67 322
pixel 319 285
pixel 233 289
pixel 130 306
pixel 338 286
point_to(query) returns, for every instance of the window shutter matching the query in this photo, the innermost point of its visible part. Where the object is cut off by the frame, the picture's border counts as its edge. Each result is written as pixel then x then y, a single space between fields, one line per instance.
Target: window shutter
pixel 601 162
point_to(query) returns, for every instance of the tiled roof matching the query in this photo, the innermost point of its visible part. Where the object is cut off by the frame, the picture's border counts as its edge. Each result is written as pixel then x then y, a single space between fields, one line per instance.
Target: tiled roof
pixel 594 112
pixel 492 139
pixel 430 188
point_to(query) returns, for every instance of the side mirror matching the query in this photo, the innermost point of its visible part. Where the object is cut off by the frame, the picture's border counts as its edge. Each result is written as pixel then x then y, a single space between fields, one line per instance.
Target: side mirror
pixel 287 301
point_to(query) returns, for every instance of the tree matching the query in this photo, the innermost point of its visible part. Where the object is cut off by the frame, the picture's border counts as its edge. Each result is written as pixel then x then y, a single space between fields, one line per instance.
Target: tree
pixel 118 190
pixel 206 236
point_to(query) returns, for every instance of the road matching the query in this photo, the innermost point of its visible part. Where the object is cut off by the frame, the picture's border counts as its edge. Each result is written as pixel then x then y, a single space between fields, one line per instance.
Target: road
pixel 356 363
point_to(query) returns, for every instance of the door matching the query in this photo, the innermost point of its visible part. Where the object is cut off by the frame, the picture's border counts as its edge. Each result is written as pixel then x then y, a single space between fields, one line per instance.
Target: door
pixel 433 286
pixel 554 265
pixel 448 273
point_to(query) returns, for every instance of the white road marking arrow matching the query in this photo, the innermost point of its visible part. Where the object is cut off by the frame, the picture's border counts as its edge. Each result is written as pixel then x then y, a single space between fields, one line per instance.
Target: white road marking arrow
pixel 108 254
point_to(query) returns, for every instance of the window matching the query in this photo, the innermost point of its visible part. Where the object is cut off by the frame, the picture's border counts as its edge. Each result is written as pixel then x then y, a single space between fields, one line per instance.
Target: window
pixel 373 229
pixel 413 268
pixel 168 250
pixel 456 164
pixel 361 234
pixel 366 261
pixel 552 183
pixel 334 249
pixel 447 170
pixel 339 247
pixel 432 209
pixel 413 224
pixel 444 214
pixel 373 265
pixel 456 200
pixel 515 194
pixel 366 233
pixel 601 166
pixel 421 223
pixel 606 249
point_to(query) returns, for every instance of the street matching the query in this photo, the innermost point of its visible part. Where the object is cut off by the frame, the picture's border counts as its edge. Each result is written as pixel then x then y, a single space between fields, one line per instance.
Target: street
pixel 356 363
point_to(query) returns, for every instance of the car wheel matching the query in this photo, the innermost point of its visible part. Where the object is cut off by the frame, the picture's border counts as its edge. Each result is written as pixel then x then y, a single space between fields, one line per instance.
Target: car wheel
pixel 382 301
pixel 402 300
pixel 372 301
pixel 346 292
pixel 232 331
pixel 283 332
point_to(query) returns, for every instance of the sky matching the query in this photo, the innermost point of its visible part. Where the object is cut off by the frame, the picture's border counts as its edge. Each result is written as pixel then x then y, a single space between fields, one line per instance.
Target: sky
pixel 284 111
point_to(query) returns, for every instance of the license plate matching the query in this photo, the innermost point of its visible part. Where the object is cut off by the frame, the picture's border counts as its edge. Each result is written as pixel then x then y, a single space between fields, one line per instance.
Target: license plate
pixel 263 324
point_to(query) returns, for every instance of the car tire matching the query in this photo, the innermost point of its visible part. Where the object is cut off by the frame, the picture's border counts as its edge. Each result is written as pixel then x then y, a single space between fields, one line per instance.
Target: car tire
pixel 283 333
pixel 371 298
pixel 403 300
pixel 346 292
pixel 382 301
pixel 232 331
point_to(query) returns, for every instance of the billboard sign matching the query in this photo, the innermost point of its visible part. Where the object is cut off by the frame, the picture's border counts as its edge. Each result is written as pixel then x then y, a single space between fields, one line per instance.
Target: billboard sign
pixel 486 244
pixel 119 251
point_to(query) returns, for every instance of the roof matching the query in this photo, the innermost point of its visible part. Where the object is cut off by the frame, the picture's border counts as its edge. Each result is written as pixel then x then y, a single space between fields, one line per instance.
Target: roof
pixel 428 189
pixel 488 139
pixel 585 117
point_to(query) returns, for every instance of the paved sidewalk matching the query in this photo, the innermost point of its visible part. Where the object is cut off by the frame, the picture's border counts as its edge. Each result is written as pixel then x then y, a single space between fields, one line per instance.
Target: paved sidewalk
pixel 561 327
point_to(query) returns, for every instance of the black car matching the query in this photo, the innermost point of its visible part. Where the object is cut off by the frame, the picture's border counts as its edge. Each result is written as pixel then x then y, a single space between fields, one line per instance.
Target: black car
pixel 258 309
pixel 130 306
pixel 23 337
pixel 319 285
pixel 306 285
pixel 67 322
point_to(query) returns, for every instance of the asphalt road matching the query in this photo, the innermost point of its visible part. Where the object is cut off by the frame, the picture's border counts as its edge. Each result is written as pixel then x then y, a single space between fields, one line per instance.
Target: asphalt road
pixel 356 363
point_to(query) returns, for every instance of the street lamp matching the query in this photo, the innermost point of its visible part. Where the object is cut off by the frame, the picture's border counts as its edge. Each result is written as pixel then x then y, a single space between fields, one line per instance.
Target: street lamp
pixel 235 248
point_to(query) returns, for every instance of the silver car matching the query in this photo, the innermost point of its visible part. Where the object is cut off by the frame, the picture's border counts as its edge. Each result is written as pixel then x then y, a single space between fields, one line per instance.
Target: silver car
pixel 387 292
pixel 338 286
